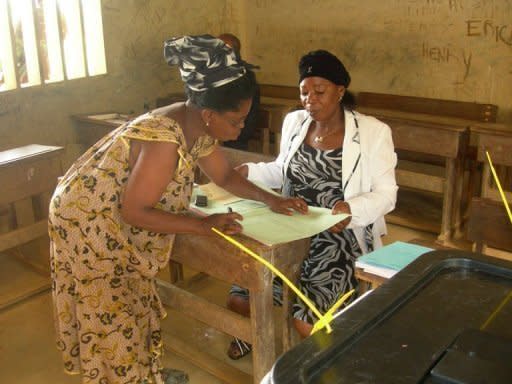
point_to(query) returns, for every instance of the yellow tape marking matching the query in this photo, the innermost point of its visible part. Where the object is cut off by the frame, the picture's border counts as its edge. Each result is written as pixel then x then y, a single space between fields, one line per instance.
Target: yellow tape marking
pixel 324 321
pixel 498 184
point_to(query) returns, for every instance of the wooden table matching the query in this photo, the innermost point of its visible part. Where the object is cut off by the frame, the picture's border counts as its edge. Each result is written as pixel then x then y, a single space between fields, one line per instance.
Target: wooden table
pixel 497 140
pixel 443 138
pixel 29 175
pixel 92 127
pixel 220 259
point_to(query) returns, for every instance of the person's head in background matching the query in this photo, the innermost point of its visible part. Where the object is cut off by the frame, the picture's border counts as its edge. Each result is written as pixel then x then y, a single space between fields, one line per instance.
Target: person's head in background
pixel 323 83
pixel 232 41
pixel 216 82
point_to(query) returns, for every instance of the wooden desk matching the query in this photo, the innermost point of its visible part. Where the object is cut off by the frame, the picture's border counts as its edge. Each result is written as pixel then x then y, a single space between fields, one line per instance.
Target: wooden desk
pixel 445 138
pixel 277 109
pixel 92 127
pixel 29 175
pixel 222 260
pixel 497 140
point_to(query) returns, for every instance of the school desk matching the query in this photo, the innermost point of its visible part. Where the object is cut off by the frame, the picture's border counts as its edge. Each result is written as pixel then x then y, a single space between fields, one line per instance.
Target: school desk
pixel 29 175
pixel 216 257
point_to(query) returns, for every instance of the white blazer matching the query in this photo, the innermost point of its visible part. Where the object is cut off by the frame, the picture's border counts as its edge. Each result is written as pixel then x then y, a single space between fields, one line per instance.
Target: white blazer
pixel 368 168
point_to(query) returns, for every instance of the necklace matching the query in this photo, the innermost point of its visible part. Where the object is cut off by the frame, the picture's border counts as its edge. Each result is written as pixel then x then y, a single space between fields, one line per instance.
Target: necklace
pixel 320 138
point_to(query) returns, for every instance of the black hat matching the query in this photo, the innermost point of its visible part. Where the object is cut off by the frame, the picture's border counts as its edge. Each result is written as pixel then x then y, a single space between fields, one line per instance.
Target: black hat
pixel 323 64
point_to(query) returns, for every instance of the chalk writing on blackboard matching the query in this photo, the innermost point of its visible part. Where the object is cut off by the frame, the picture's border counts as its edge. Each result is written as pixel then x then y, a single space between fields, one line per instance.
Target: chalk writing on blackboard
pixel 488 28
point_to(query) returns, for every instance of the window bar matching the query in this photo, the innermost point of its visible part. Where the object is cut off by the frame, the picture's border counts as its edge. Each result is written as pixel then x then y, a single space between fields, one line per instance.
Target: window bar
pixel 29 43
pixel 8 44
pixel 84 40
pixel 53 44
pixel 32 46
pixel 61 41
pixel 72 39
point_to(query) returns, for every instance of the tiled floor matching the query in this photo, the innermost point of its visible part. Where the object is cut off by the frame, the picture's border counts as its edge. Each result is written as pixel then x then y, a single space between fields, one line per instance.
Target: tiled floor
pixel 27 350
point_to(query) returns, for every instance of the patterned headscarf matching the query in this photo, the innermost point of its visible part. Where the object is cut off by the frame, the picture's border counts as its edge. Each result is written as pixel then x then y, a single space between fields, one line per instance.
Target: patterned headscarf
pixel 204 61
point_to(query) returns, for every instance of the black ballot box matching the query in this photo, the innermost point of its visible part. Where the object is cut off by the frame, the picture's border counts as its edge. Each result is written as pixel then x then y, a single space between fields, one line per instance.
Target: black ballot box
pixel 445 318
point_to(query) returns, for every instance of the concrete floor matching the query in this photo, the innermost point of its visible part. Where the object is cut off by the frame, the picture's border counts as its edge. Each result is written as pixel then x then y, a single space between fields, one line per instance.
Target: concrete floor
pixel 27 349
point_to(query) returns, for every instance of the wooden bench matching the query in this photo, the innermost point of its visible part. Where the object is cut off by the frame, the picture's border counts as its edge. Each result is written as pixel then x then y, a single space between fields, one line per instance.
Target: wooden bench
pixel 489 226
pixel 29 175
pixel 428 106
pixel 442 139
pixel 497 140
pixel 92 127
pixel 427 170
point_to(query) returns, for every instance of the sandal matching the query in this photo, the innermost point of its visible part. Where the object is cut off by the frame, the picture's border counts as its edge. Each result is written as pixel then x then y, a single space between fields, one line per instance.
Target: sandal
pixel 174 376
pixel 238 349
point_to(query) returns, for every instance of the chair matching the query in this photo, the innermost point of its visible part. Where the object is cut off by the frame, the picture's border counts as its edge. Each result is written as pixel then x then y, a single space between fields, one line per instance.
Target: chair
pixel 489 225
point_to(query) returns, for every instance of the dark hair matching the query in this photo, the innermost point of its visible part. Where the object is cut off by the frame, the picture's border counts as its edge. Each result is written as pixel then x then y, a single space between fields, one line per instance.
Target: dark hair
pixel 226 97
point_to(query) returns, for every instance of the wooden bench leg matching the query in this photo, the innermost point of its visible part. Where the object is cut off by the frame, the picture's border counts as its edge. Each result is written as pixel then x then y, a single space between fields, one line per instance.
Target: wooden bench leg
pixel 446 216
pixel 176 271
pixel 457 219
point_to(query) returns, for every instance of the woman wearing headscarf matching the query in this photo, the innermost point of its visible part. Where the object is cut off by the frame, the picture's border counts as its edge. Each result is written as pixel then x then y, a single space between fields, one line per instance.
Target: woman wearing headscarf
pixel 114 214
pixel 331 156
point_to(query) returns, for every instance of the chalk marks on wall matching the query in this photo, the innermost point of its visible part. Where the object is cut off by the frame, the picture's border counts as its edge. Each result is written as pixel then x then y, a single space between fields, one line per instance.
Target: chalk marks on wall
pixel 447 54
pixel 501 33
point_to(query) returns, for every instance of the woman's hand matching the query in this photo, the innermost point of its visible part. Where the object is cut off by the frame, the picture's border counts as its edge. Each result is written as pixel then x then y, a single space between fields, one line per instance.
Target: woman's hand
pixel 286 206
pixel 341 207
pixel 224 222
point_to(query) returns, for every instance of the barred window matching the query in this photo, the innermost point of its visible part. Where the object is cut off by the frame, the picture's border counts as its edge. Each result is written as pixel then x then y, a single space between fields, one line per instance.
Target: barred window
pixel 46 41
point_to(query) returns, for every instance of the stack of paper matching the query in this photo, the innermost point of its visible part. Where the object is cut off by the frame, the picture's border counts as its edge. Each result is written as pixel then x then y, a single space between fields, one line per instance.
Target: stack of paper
pixel 260 223
pixel 390 259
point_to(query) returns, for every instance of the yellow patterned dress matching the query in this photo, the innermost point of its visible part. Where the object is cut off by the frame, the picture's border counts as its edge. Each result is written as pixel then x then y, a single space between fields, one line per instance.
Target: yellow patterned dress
pixel 107 311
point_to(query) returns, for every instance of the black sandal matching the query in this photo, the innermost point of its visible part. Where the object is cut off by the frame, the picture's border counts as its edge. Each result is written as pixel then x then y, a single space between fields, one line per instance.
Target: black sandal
pixel 238 349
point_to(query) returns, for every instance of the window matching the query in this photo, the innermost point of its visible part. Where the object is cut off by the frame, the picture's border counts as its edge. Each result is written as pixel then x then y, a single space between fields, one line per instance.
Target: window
pixel 45 41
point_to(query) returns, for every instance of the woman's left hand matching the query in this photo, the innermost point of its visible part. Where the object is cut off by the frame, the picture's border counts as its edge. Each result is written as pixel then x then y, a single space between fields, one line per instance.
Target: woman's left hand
pixel 286 205
pixel 341 207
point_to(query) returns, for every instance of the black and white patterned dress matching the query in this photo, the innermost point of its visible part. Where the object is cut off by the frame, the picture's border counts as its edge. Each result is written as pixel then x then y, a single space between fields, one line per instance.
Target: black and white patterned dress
pixel 329 270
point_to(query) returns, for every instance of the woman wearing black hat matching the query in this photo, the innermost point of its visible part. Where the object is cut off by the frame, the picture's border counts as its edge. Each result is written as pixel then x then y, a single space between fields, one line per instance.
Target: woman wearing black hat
pixel 334 157
pixel 114 214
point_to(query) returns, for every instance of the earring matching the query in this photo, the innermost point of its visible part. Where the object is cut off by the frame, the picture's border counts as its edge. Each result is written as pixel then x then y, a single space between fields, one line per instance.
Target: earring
pixel 341 98
pixel 207 123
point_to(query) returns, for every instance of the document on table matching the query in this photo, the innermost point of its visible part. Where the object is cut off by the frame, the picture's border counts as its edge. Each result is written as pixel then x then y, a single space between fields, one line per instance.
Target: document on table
pixel 260 223
pixel 390 259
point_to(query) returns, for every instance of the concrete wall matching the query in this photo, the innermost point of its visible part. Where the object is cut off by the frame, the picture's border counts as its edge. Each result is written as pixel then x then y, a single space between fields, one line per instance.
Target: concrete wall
pixel 134 32
pixel 448 49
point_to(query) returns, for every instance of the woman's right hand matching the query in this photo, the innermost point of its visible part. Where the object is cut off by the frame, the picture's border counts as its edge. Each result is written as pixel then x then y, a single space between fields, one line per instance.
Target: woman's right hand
pixel 224 222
